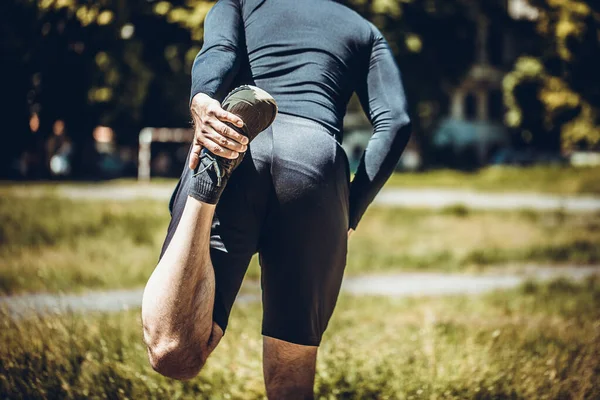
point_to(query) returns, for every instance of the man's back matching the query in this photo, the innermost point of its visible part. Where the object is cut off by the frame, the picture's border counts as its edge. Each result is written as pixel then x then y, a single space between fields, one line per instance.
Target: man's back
pixel 308 54
pixel 311 55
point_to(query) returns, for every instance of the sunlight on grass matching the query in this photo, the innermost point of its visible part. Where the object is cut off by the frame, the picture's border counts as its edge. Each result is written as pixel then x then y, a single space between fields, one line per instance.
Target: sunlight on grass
pixel 457 239
pixel 539 341
pixel 52 244
pixel 544 179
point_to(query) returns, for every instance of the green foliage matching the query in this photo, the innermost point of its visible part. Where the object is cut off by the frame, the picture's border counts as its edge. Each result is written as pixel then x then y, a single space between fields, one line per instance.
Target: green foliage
pixel 433 42
pixel 571 28
pixel 124 64
pixel 550 94
pixel 539 341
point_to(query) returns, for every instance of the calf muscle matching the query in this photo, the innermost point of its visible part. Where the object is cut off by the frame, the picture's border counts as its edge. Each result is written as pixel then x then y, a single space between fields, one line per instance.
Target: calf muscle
pixel 289 369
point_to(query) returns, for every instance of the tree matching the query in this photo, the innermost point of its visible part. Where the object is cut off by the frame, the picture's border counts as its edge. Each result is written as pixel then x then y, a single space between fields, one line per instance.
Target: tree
pixel 119 63
pixel 553 95
pixel 16 35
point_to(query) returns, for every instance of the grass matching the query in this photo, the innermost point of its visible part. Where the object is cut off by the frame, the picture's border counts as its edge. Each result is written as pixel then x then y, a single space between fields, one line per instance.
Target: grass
pixel 540 341
pixel 52 244
pixel 544 179
pixel 556 179
pixel 459 239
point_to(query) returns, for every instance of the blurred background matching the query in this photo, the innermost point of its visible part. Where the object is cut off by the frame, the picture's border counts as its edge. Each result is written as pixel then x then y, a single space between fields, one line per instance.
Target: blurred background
pixel 473 275
pixel 492 82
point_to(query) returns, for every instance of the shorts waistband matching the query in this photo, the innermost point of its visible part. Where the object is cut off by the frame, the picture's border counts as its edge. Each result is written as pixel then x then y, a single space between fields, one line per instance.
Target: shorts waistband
pixel 303 121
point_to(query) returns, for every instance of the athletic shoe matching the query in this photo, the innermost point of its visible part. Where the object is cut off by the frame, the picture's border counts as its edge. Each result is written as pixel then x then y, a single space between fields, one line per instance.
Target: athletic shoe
pixel 257 109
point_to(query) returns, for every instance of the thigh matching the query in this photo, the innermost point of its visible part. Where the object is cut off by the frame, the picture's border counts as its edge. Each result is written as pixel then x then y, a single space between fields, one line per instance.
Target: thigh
pixel 303 249
pixel 236 225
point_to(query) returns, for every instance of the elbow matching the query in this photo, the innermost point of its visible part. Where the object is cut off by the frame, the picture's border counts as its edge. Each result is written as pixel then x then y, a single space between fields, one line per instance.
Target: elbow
pixel 401 126
pixel 394 128
pixel 393 120
pixel 401 119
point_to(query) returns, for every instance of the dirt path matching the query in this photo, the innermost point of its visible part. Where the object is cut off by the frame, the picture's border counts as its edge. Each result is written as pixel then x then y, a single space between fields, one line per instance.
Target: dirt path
pixel 397 285
pixel 427 198
pixel 441 198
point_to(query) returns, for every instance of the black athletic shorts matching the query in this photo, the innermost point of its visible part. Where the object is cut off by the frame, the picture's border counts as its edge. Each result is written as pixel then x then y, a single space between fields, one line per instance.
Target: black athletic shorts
pixel 288 201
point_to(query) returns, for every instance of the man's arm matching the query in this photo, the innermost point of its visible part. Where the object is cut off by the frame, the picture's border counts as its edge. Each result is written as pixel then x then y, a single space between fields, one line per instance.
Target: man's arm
pixel 383 99
pixel 218 62
pixel 214 69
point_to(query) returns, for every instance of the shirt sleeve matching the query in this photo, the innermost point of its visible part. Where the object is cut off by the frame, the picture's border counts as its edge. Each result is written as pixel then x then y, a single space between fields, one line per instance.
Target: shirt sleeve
pixel 218 62
pixel 383 99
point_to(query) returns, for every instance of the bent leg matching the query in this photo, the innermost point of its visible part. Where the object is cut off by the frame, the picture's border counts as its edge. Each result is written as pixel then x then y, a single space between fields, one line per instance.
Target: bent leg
pixel 289 369
pixel 177 306
pixel 189 296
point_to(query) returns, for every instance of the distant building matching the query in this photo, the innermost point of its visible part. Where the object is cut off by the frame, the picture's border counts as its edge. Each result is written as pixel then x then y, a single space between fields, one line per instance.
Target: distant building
pixel 520 9
pixel 479 96
pixel 473 129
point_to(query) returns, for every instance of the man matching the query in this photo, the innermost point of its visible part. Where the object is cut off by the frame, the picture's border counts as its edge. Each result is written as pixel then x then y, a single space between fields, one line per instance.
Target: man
pixel 290 198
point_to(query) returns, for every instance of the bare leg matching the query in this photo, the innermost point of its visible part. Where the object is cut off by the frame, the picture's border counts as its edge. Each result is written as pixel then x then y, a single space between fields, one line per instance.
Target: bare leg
pixel 289 369
pixel 177 307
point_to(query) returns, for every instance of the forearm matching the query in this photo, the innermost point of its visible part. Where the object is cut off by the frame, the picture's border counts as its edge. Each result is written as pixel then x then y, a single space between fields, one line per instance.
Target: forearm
pixel 217 64
pixel 213 72
pixel 384 101
pixel 376 166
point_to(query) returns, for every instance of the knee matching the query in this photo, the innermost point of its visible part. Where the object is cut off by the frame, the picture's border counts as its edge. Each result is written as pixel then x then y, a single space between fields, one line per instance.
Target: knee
pixel 176 361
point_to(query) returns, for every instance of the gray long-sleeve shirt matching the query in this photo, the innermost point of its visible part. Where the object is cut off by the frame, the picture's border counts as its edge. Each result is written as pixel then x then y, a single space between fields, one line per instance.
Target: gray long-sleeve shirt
pixel 311 56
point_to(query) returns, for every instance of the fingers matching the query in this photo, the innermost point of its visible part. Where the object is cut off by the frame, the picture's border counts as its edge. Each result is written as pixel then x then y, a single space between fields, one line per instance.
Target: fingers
pixel 207 106
pixel 227 131
pixel 213 133
pixel 215 148
pixel 195 156
pixel 223 141
pixel 227 117
pixel 220 151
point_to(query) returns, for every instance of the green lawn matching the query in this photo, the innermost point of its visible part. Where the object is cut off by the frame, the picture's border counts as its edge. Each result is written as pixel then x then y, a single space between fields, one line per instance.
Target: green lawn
pixel 543 179
pixel 541 341
pixel 51 244
pixel 459 239
pixel 558 180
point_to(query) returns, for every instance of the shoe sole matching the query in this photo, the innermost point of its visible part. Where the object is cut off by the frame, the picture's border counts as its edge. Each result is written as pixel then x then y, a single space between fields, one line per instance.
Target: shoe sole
pixel 254 106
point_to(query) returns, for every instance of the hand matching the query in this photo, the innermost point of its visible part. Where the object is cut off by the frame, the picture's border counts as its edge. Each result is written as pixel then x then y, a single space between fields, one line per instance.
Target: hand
pixel 350 232
pixel 211 132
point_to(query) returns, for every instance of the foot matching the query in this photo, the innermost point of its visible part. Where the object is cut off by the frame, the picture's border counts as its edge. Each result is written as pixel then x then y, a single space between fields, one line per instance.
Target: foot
pixel 257 109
